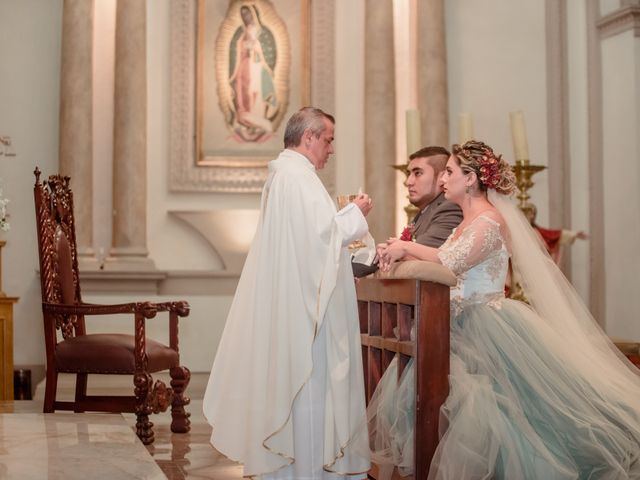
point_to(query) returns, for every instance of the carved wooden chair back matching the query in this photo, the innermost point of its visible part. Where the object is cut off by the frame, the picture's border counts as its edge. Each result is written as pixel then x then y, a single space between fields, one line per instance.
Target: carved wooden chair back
pixel 59 278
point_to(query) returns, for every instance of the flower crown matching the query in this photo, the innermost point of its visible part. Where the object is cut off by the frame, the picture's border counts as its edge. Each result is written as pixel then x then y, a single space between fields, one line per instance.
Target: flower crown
pixel 489 169
pixel 493 172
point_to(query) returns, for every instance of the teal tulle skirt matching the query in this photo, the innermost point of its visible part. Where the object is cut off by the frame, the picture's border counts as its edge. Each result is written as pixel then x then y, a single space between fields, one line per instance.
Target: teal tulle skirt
pixel 524 404
pixel 390 418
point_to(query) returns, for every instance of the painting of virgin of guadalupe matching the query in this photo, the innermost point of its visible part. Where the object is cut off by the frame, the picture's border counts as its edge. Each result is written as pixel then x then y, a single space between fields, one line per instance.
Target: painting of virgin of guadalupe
pixel 252 70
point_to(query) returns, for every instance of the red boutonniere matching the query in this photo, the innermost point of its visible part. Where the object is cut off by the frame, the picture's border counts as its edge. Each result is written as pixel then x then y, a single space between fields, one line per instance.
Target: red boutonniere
pixel 407 233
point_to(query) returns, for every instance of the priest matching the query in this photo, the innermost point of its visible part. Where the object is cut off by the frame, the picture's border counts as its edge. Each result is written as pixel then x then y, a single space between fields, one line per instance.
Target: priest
pixel 286 392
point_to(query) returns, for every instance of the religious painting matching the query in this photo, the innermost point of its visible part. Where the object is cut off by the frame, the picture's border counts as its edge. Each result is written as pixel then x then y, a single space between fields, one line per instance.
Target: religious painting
pixel 253 57
pixel 252 72
pixel 232 91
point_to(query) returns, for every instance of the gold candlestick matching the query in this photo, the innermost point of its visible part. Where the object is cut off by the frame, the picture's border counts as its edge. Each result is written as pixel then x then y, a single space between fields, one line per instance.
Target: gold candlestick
pixel 524 171
pixel 410 209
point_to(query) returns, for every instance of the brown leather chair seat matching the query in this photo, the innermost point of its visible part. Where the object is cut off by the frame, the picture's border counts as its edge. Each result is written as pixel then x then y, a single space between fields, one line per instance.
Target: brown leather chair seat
pixel 110 353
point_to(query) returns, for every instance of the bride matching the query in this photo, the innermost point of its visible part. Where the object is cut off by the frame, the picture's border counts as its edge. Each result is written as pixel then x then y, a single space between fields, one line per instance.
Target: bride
pixel 536 391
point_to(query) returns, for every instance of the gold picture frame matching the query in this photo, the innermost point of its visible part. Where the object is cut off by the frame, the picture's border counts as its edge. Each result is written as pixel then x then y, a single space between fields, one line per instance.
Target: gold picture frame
pixel 272 36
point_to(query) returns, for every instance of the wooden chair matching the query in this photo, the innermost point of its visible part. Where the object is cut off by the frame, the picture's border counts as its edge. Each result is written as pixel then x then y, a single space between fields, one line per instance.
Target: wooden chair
pixel 414 294
pixel 74 351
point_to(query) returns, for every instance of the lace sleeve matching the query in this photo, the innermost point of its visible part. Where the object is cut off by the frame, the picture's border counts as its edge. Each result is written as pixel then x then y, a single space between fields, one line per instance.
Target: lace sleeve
pixel 477 241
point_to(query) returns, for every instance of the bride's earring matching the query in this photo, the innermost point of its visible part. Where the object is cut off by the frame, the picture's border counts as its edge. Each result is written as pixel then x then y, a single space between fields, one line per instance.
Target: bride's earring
pixel 467 189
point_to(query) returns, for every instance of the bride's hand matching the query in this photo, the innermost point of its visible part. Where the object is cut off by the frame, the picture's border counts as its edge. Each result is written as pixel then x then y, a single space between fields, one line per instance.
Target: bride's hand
pixel 380 248
pixel 394 251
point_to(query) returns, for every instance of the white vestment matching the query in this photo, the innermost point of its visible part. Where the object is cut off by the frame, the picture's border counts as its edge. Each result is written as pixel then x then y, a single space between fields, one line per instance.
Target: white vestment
pixel 287 383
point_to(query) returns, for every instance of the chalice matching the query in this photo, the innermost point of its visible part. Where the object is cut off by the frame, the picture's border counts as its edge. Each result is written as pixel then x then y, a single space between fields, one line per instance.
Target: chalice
pixel 343 201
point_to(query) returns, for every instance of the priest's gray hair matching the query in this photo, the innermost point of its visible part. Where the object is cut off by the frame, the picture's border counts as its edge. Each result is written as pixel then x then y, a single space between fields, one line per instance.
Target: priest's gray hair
pixel 307 117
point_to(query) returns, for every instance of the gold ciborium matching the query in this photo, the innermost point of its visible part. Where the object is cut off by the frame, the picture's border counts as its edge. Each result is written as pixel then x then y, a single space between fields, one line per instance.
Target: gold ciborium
pixel 343 201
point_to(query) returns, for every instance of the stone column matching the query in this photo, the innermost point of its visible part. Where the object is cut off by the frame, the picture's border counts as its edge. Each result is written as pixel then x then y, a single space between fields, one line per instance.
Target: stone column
pixel 558 146
pixel 76 119
pixel 379 108
pixel 433 100
pixel 129 244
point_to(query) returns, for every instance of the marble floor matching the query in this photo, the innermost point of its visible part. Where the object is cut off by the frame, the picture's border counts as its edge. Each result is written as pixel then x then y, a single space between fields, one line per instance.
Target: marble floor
pixel 104 446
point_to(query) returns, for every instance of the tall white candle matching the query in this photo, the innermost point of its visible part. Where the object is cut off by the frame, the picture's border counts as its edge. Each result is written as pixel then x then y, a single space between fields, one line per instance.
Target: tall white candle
pixel 519 135
pixel 465 127
pixel 413 131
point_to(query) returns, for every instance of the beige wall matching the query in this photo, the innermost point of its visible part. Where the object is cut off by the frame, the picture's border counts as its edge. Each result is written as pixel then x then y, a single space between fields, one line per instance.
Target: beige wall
pixel 29 98
pixel 496 59
pixel 608 6
pixel 621 147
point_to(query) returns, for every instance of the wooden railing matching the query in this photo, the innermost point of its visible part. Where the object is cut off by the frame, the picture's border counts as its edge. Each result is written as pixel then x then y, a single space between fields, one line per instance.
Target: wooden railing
pixel 413 295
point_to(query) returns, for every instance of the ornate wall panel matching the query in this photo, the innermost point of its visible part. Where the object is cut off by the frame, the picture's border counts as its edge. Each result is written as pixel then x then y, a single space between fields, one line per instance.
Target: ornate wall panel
pixel 185 172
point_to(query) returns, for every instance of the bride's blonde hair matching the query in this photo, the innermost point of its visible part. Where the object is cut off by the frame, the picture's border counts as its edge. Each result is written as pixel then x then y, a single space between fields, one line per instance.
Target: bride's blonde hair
pixel 492 171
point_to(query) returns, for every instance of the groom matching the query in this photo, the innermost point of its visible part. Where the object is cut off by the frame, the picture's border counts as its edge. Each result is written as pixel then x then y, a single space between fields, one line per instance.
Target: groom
pixel 437 216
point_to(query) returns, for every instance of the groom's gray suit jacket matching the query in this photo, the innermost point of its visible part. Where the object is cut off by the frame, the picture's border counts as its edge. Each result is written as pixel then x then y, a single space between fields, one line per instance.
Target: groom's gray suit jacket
pixel 434 225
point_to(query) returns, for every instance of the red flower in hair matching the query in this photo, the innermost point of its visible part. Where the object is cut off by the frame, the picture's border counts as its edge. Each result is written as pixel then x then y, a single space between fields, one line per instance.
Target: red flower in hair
pixel 407 233
pixel 489 169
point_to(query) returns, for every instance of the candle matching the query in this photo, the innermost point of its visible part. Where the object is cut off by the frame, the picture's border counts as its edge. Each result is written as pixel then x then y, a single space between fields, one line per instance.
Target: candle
pixel 413 131
pixel 465 127
pixel 519 135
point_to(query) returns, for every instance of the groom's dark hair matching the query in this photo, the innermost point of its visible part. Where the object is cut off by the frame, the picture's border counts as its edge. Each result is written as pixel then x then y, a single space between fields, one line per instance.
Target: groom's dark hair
pixel 435 155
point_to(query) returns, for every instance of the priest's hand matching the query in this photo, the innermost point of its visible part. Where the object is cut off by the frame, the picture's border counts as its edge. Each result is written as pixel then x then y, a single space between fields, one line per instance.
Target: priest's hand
pixel 363 202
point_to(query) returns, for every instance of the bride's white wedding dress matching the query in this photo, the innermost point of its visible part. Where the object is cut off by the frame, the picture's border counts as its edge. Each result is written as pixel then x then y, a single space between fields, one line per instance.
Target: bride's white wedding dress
pixel 532 395
pixel 523 402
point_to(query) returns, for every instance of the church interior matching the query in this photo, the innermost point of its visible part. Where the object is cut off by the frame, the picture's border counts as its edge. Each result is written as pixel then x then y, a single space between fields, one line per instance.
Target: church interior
pixel 129 99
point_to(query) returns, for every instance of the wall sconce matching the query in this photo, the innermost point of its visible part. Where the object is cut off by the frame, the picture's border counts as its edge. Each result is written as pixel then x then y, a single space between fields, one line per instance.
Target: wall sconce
pixel 7 149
